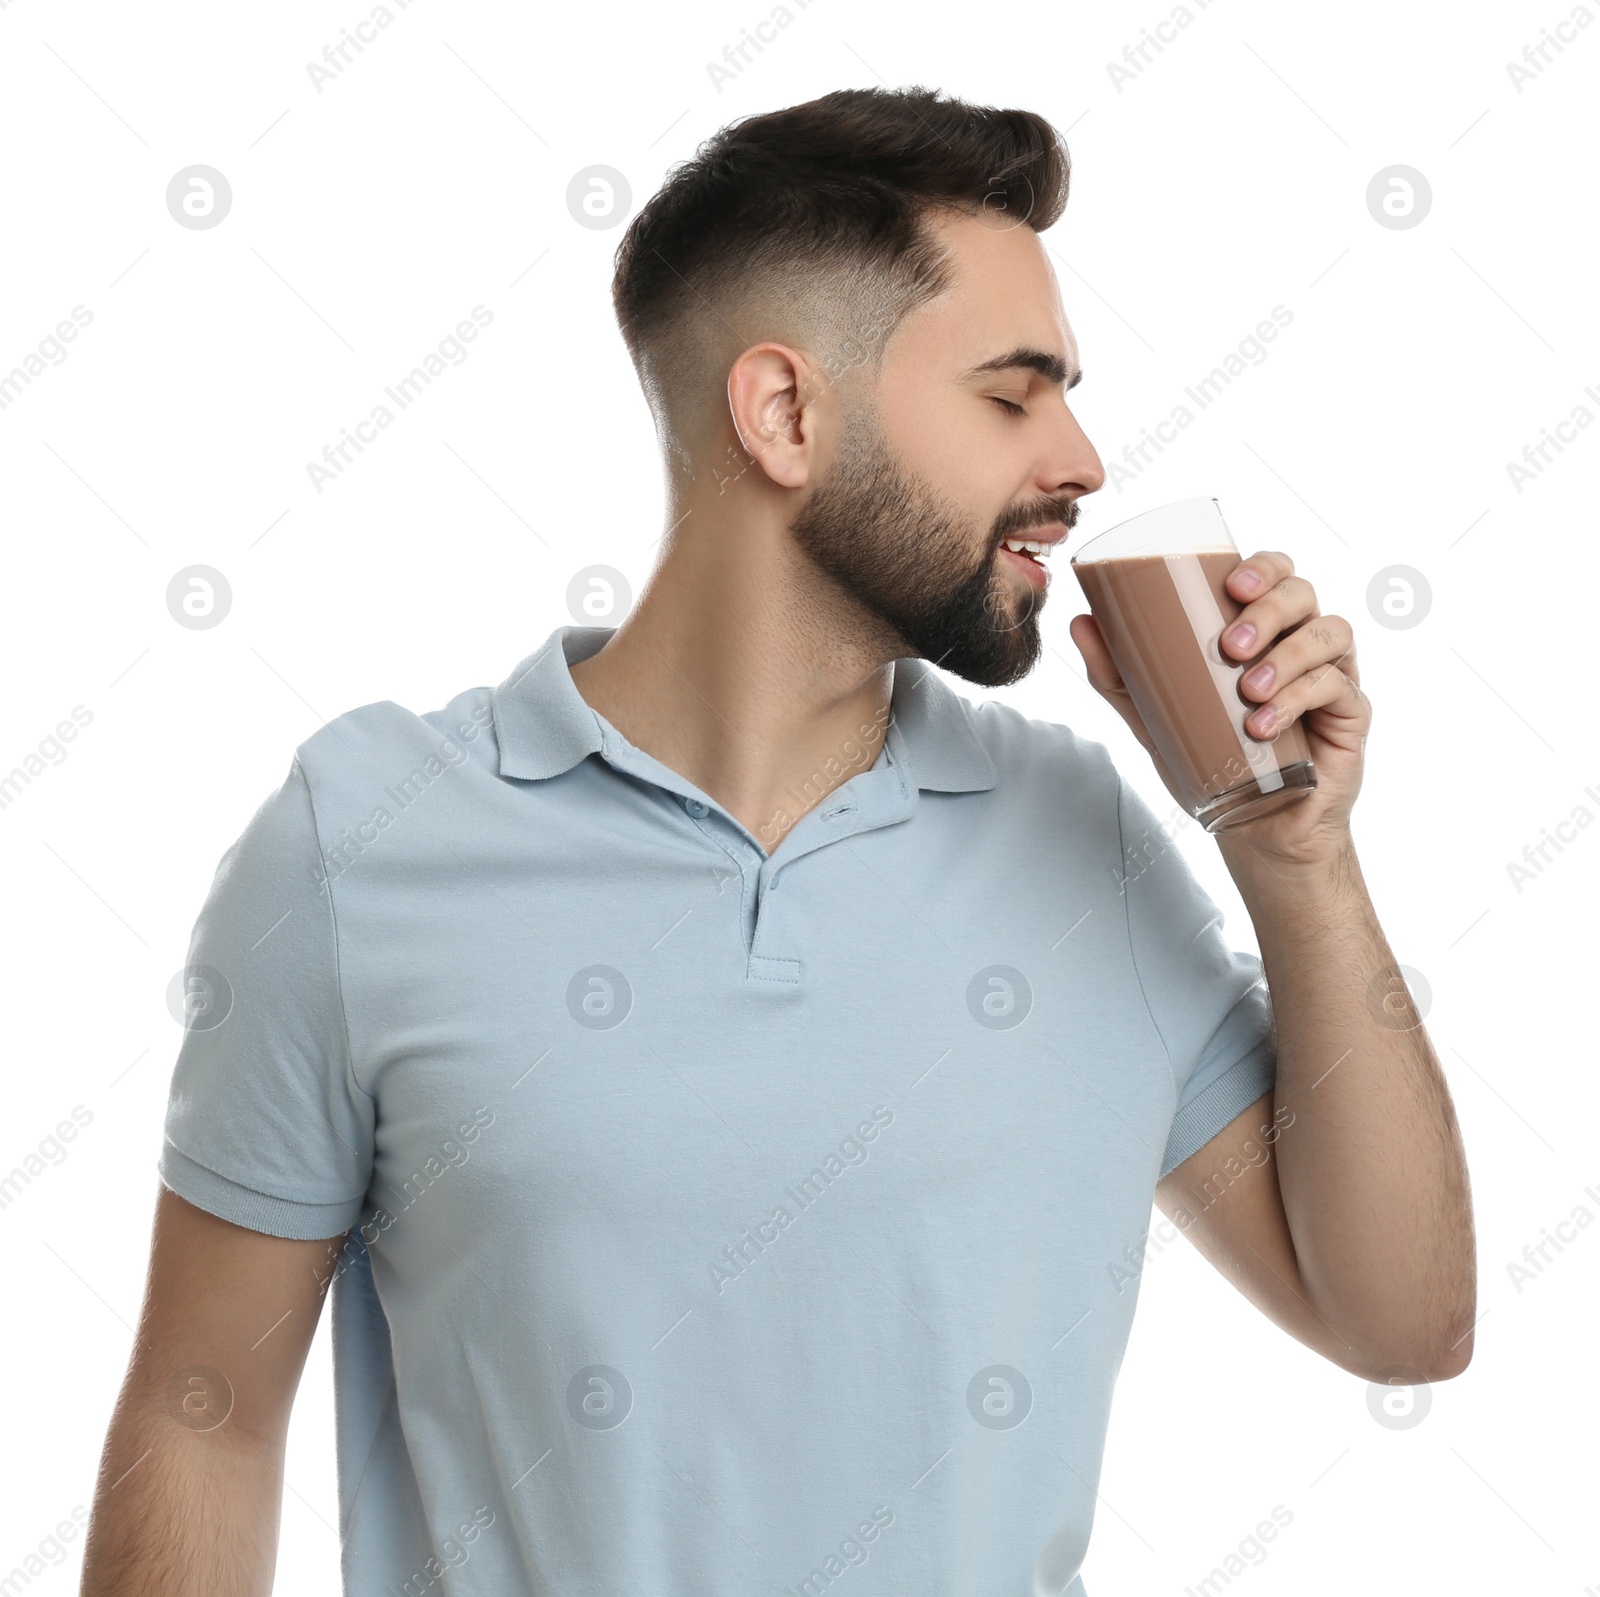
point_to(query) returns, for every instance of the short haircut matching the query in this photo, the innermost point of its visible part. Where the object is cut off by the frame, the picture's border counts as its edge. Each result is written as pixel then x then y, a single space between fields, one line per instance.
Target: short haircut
pixel 807 225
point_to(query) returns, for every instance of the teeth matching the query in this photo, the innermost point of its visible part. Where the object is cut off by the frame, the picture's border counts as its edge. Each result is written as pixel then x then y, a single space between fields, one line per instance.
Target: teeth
pixel 1032 548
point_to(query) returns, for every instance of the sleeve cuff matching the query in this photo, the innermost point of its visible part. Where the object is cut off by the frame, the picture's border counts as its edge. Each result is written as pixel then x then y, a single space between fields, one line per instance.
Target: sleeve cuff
pixel 1226 1098
pixel 256 1211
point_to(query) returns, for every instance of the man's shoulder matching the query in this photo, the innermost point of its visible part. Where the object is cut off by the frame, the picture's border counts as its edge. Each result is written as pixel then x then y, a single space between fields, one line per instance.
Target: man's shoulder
pixel 1055 787
pixel 363 753
pixel 1029 748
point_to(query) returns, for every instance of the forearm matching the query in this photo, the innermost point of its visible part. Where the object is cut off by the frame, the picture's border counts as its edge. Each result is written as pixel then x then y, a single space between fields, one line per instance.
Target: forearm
pixel 181 1512
pixel 1372 1171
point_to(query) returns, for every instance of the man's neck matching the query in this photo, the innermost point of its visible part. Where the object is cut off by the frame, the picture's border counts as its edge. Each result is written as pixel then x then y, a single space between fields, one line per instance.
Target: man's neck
pixel 749 673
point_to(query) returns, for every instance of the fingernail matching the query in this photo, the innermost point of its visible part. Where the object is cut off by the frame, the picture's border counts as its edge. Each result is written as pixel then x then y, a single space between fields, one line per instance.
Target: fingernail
pixel 1243 635
pixel 1265 718
pixel 1259 678
pixel 1249 579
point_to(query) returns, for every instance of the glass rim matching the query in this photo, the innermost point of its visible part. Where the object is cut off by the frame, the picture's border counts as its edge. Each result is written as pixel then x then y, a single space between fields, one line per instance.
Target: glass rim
pixel 1204 506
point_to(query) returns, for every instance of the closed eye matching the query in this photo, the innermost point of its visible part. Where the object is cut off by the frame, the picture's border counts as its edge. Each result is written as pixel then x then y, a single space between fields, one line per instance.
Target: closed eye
pixel 1016 410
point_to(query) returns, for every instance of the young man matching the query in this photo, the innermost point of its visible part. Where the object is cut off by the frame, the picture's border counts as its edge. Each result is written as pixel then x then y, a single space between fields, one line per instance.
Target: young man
pixel 723 1072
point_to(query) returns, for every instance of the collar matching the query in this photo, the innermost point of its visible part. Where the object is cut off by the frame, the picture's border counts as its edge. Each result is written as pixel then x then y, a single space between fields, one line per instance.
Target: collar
pixel 544 726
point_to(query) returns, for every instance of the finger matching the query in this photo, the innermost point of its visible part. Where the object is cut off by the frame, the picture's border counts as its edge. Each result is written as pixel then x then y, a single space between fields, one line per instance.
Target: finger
pixel 1253 577
pixel 1328 688
pixel 1347 664
pixel 1321 641
pixel 1286 604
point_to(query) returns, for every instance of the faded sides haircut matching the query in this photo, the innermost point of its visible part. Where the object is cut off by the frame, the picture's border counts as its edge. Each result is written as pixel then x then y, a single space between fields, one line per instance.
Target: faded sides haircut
pixel 808 226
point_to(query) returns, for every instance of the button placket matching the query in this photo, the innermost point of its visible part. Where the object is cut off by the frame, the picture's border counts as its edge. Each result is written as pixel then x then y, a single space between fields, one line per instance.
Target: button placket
pixel 882 798
pixel 762 965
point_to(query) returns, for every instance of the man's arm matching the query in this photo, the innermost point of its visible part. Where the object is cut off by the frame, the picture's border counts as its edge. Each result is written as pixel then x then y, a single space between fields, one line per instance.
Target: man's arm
pixel 1369 1175
pixel 1355 1231
pixel 1226 1200
pixel 191 1478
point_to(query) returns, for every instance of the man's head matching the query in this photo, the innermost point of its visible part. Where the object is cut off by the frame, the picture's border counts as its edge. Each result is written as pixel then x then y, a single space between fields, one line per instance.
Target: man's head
pixel 842 315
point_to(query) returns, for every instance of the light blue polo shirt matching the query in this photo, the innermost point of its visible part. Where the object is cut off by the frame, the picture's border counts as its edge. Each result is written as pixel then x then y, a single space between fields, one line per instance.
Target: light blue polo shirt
pixel 721 1225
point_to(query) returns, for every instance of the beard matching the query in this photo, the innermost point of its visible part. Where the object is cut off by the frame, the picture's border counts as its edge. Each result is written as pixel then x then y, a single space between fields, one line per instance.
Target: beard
pixel 910 558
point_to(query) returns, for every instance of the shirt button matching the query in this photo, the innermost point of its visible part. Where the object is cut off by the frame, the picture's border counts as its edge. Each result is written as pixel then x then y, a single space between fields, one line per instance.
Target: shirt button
pixel 695 808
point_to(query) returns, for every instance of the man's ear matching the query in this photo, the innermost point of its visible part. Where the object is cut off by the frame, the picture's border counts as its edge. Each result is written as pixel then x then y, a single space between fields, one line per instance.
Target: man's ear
pixel 775 426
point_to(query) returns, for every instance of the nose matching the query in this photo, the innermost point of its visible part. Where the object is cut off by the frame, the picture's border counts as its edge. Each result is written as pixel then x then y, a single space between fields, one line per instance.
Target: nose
pixel 1074 467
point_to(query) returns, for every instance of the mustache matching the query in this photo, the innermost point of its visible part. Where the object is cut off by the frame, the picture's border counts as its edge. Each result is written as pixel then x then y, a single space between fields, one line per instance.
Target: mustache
pixel 1046 512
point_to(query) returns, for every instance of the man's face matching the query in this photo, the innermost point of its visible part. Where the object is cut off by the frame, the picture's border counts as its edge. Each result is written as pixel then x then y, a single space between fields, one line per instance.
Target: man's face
pixel 926 484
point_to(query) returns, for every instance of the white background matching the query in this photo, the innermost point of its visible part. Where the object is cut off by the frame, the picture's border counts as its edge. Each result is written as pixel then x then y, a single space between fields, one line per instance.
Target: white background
pixel 1227 177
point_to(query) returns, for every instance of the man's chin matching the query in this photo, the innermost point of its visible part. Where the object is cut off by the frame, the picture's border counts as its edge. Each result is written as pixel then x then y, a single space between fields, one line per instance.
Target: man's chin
pixel 1004 676
pixel 988 667
pixel 984 633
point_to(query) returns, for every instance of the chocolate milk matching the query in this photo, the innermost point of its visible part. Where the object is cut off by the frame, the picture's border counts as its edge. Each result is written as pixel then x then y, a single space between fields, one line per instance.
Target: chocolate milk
pixel 1162 617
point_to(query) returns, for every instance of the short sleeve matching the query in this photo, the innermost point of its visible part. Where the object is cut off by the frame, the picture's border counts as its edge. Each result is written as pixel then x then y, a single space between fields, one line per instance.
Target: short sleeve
pixel 1208 1001
pixel 266 1125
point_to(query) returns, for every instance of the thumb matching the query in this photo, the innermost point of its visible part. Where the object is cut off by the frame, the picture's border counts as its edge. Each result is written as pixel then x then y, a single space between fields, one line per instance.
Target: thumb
pixel 1103 675
pixel 1107 681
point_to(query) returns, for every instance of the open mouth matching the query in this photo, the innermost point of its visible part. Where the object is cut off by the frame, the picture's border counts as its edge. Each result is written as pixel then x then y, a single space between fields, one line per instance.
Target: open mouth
pixel 1028 548
pixel 1030 555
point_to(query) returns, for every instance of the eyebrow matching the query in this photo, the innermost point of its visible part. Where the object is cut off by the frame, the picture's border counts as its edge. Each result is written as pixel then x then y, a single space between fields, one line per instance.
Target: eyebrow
pixel 1042 361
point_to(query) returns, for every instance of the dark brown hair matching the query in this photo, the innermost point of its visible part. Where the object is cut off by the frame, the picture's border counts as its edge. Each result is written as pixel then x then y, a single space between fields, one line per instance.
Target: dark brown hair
pixel 816 212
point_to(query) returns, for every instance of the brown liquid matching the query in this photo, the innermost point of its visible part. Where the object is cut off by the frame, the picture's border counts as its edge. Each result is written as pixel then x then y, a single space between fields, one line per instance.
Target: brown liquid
pixel 1162 617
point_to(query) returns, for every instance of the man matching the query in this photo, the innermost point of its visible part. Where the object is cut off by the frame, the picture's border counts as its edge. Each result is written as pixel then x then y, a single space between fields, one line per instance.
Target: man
pixel 722 1072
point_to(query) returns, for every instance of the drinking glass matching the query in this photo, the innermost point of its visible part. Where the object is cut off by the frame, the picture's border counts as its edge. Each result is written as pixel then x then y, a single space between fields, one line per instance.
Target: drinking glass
pixel 1155 587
